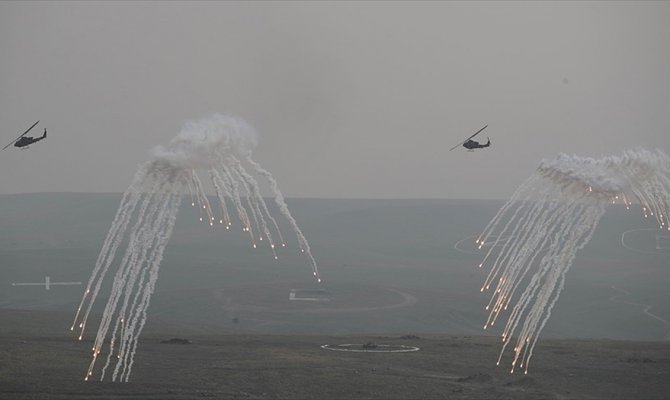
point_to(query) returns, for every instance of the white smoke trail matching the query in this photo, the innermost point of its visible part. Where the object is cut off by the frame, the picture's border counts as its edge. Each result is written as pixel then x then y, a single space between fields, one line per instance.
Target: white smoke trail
pixel 552 215
pixel 281 203
pixel 146 217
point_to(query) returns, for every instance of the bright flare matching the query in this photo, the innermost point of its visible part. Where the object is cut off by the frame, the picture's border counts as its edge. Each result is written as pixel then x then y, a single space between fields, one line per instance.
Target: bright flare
pixel 549 218
pixel 145 219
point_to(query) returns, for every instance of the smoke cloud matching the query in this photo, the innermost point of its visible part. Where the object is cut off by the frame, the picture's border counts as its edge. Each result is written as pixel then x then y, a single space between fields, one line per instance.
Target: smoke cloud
pixel 217 145
pixel 535 236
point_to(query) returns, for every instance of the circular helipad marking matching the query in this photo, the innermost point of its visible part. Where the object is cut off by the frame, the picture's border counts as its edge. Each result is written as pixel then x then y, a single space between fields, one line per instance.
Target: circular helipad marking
pixel 638 250
pixel 344 297
pixel 379 348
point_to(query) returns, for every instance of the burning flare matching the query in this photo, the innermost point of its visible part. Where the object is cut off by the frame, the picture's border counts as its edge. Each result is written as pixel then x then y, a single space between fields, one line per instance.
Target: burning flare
pixel 219 145
pixel 551 215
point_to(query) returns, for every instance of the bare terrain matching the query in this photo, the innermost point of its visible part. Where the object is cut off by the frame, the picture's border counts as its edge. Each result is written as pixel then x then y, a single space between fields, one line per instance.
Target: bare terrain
pixel 41 363
pixel 396 273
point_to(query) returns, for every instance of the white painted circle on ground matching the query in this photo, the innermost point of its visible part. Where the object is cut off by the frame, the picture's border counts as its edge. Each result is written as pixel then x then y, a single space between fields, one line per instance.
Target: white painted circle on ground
pixel 378 348
pixel 628 246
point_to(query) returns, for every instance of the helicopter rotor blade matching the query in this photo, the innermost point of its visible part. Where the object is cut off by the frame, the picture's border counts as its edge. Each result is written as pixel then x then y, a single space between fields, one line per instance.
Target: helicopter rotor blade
pixel 23 134
pixel 476 133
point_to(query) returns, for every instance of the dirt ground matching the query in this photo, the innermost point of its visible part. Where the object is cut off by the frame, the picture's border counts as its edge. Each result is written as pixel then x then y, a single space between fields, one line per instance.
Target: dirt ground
pixel 40 361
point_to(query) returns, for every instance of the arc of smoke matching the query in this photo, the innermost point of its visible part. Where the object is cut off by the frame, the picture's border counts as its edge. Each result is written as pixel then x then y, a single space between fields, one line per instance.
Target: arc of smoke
pixel 281 203
pixel 145 220
pixel 560 205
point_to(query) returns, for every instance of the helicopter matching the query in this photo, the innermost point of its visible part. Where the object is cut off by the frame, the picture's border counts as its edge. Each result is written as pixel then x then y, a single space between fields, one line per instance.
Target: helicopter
pixel 471 145
pixel 24 141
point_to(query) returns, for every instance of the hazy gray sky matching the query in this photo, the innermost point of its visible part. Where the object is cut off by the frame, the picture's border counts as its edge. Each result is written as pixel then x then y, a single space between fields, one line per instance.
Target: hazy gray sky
pixel 350 99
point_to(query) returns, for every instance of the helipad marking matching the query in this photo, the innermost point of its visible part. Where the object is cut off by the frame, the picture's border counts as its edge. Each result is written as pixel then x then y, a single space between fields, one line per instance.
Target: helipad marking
pixel 47 283
pixel 380 348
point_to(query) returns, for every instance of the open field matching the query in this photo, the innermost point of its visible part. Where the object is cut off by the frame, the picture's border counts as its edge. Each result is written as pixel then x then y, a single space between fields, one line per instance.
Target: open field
pixel 44 363
pixel 390 267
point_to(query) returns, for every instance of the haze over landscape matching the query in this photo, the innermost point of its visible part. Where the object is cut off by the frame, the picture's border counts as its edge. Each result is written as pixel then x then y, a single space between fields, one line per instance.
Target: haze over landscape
pixel 350 99
pixel 232 190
